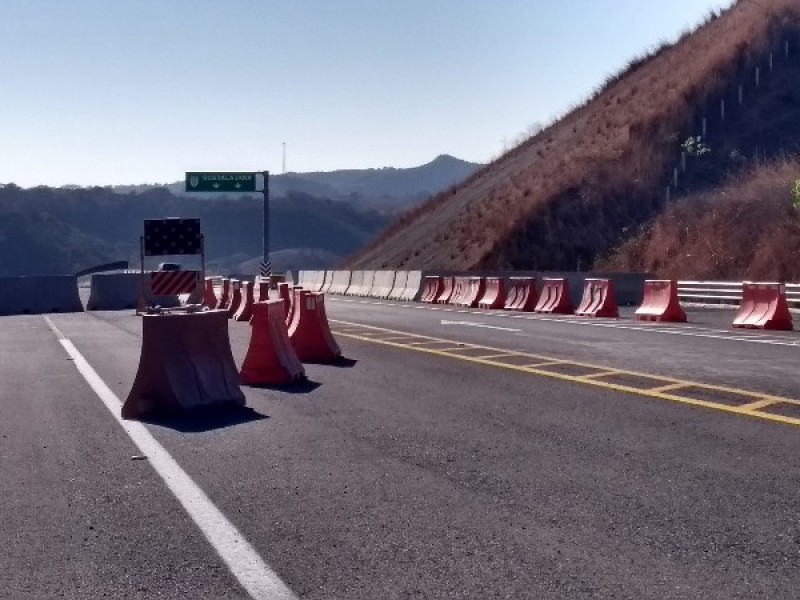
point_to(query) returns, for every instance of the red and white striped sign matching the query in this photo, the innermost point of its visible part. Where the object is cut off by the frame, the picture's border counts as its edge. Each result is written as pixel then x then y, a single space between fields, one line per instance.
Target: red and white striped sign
pixel 172 283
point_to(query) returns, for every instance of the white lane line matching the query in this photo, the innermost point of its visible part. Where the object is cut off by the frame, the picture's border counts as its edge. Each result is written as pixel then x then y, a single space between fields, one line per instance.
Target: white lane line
pixel 255 576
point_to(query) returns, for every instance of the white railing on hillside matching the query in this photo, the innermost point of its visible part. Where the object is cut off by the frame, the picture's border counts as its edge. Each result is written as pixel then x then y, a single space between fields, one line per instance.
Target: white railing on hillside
pixel 722 293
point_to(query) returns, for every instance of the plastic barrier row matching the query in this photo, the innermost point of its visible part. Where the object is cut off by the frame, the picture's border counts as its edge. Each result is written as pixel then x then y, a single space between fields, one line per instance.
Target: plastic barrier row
pixel 186 361
pixel 395 285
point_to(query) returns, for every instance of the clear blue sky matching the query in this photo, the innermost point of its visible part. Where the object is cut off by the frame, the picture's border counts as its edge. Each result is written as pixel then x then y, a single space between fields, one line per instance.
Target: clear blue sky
pixel 98 92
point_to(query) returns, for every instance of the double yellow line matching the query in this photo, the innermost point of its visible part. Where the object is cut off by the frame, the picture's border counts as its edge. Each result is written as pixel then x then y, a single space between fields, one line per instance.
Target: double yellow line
pixel 742 402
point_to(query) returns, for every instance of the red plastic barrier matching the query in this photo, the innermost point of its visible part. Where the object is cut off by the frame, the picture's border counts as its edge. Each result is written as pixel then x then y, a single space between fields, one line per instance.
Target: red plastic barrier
pixel 185 363
pixel 460 290
pixel 270 359
pixel 521 294
pixel 245 310
pixel 210 299
pixel 598 299
pixel 554 297
pixel 309 332
pixel 763 307
pixel 473 291
pixel 494 295
pixel 660 302
pixel 294 294
pixel 285 294
pixel 446 291
pixel 263 290
pixel 432 288
pixel 236 297
pixel 225 299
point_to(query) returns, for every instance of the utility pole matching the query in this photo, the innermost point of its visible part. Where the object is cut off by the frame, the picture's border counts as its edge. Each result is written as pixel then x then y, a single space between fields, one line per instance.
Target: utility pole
pixel 284 158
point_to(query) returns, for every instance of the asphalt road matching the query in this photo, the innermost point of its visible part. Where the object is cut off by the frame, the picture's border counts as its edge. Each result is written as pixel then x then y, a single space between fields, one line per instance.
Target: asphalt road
pixel 408 474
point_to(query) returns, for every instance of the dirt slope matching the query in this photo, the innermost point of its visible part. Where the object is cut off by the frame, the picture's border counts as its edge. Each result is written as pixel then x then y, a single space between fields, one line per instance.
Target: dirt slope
pixel 581 187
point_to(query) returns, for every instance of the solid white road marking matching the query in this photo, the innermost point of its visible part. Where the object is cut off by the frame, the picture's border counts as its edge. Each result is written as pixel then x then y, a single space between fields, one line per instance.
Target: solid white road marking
pixel 480 325
pixel 255 576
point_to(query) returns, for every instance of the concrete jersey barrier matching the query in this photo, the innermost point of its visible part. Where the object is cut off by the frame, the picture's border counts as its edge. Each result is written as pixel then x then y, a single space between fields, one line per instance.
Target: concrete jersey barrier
pixel 37 295
pixel 114 291
pixel 413 285
pixel 340 281
pixel 356 283
pixel 382 284
pixel 399 287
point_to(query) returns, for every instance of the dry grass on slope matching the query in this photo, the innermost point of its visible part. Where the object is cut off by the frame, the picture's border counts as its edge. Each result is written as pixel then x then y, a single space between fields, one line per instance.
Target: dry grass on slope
pixel 625 136
pixel 749 229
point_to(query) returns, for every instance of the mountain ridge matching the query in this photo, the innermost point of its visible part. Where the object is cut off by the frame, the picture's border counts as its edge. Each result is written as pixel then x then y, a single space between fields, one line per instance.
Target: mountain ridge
pixel 574 191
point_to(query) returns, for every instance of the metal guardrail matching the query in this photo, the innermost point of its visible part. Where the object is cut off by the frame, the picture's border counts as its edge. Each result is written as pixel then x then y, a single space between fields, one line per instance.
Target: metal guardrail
pixel 725 293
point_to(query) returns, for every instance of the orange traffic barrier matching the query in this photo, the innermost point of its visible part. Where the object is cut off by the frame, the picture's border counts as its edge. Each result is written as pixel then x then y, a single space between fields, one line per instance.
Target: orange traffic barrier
pixel 210 299
pixel 245 310
pixel 294 294
pixel 763 306
pixel 460 289
pixel 598 299
pixel 285 294
pixel 521 294
pixel 186 362
pixel 270 359
pixel 431 288
pixel 555 297
pixel 473 289
pixel 225 299
pixel 263 290
pixel 660 302
pixel 494 294
pixel 236 297
pixel 446 290
pixel 309 332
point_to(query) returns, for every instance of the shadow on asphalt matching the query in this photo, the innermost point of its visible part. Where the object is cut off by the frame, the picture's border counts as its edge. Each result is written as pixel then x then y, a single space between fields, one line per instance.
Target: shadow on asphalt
pixel 304 386
pixel 207 419
pixel 341 362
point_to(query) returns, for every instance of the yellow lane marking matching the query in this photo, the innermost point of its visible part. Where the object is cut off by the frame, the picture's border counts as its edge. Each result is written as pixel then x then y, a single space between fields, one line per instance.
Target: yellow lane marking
pixel 661 393
pixel 670 387
pixel 757 405
pixel 496 355
pixel 606 373
pixel 546 363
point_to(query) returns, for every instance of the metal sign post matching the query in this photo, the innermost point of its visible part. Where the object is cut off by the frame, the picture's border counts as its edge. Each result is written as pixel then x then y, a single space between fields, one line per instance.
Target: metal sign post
pixel 266 265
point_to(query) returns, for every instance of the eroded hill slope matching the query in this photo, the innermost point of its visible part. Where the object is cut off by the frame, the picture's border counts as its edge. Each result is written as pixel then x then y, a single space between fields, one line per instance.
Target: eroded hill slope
pixel 581 187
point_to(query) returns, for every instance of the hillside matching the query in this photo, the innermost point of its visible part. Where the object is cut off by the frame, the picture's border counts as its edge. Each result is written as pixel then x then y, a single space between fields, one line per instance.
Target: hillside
pixel 747 229
pixel 584 185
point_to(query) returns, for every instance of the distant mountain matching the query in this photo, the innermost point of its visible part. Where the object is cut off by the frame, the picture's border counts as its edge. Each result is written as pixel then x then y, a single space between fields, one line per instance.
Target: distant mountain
pixel 61 231
pixel 388 189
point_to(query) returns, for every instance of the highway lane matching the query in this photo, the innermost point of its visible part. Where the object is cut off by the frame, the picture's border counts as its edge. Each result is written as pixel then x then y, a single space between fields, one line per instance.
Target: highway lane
pixel 404 475
pixel 707 349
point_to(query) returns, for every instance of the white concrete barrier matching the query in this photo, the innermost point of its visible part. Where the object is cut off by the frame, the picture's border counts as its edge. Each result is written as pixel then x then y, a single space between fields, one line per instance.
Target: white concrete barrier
pixel 399 288
pixel 366 286
pixel 121 291
pixel 37 295
pixel 382 284
pixel 413 286
pixel 339 282
pixel 356 283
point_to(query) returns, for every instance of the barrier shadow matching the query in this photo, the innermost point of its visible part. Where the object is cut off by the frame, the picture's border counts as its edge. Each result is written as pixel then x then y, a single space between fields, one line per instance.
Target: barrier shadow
pixel 302 386
pixel 198 420
pixel 341 363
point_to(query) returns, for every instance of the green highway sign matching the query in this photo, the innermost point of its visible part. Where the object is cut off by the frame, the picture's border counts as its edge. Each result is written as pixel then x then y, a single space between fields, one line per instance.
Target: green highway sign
pixel 220 182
